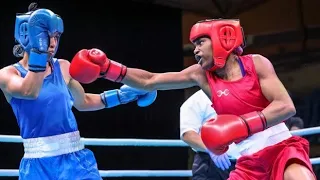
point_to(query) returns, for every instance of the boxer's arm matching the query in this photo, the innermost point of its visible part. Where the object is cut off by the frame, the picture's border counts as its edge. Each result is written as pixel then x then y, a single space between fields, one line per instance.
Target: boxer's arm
pixel 142 79
pixel 14 85
pixel 281 106
pixel 82 101
pixel 88 65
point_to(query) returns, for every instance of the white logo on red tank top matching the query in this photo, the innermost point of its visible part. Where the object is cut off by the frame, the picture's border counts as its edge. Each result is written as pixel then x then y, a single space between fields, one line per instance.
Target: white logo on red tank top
pixel 225 92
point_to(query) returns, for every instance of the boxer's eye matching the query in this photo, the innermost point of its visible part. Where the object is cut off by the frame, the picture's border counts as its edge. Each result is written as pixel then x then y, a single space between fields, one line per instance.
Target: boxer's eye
pixel 56 35
pixel 199 42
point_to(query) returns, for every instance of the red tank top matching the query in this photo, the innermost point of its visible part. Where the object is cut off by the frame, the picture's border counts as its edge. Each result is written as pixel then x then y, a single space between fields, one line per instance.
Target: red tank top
pixel 238 97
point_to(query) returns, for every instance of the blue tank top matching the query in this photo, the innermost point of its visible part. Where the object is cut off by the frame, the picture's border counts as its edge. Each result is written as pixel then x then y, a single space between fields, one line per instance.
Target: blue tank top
pixel 49 114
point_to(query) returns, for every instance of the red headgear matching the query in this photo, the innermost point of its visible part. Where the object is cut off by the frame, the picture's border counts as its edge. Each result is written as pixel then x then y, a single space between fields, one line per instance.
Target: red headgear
pixel 226 36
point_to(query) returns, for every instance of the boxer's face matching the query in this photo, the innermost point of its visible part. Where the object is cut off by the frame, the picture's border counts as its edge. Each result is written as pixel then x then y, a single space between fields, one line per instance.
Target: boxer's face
pixel 53 44
pixel 203 52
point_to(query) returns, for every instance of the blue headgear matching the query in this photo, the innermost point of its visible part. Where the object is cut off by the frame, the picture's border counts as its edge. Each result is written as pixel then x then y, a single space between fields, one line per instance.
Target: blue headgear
pixel 21 32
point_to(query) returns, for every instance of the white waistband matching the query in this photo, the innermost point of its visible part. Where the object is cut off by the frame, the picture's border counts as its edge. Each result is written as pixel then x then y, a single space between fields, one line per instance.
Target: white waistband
pixel 52 145
pixel 261 140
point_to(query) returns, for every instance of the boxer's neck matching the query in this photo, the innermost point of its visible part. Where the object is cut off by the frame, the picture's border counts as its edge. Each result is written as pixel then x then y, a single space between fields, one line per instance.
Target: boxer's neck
pixel 24 60
pixel 231 71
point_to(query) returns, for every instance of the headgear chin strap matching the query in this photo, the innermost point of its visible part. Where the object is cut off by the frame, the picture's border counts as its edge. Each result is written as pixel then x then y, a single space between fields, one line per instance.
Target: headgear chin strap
pixel 226 36
pixel 21 34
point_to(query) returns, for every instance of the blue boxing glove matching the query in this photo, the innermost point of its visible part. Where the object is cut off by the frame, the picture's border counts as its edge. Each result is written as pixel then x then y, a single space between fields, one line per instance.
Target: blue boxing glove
pixel 127 94
pixel 42 25
pixel 147 99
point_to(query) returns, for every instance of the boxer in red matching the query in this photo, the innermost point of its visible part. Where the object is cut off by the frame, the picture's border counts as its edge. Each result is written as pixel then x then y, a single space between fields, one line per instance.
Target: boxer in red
pixel 250 100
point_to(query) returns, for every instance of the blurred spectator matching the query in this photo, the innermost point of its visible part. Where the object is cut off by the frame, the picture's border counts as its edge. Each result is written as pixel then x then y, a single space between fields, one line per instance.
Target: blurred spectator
pixel 295 123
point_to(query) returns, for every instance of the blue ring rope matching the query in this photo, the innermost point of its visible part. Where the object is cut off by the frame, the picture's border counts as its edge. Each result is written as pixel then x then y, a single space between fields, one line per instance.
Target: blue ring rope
pixel 144 142
pixel 134 173
pixel 139 142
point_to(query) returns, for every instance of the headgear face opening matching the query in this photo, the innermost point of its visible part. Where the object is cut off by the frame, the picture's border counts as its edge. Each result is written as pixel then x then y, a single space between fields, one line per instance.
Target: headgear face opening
pixel 21 34
pixel 226 36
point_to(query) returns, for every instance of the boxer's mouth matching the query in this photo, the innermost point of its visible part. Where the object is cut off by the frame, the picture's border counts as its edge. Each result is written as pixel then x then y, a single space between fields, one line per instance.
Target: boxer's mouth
pixel 198 58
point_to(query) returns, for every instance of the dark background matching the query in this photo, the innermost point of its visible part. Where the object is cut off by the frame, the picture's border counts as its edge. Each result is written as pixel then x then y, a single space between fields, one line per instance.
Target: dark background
pixel 137 35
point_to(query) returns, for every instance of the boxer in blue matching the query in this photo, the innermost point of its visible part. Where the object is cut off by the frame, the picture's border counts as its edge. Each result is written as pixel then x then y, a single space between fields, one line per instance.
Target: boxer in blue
pixel 42 93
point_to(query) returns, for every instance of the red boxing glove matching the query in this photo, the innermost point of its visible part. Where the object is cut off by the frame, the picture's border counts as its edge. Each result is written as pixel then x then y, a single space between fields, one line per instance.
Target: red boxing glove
pixel 217 134
pixel 89 65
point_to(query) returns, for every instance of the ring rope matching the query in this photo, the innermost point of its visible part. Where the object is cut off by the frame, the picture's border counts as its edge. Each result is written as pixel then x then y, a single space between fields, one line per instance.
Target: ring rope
pixel 134 173
pixel 139 142
pixel 144 142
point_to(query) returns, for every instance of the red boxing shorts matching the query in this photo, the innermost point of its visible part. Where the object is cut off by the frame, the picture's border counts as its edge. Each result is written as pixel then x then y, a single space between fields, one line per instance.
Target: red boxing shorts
pixel 270 162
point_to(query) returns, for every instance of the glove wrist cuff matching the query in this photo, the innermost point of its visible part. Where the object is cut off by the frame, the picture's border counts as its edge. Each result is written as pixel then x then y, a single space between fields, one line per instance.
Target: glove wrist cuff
pixel 37 61
pixel 255 121
pixel 110 98
pixel 114 71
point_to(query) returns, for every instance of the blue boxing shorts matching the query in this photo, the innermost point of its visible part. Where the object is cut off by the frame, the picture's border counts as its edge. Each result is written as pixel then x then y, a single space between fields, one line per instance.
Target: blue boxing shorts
pixel 58 158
